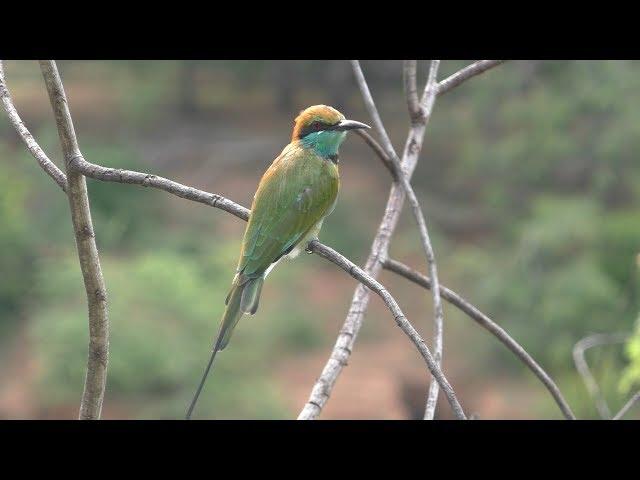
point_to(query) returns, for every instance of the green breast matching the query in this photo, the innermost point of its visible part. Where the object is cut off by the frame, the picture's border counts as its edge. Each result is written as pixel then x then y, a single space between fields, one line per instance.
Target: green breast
pixel 299 189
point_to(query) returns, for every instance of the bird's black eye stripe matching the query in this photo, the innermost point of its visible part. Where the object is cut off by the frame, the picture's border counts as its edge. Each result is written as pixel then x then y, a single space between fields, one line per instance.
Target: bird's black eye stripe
pixel 315 126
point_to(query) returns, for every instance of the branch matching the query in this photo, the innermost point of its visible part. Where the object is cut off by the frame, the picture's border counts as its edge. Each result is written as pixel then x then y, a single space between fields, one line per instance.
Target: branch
pixel 411 90
pixel 98 357
pixel 430 90
pixel 627 406
pixel 465 74
pixel 379 250
pixel 379 151
pixel 371 108
pixel 485 322
pixel 425 113
pixel 584 370
pixel 119 175
pixel 47 165
pixel 360 275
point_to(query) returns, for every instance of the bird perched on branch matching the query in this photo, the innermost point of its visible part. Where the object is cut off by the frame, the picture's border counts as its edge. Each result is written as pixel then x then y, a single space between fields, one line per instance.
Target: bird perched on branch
pixel 293 198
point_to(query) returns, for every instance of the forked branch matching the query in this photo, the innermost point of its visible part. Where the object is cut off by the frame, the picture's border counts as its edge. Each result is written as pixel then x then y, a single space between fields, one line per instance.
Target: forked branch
pixel 96 291
pixel 47 165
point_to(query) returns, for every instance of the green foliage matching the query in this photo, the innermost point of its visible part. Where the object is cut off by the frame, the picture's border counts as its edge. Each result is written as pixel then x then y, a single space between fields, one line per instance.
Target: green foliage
pixel 631 377
pixel 17 245
pixel 618 247
pixel 549 290
pixel 123 215
pixel 163 318
pixel 546 152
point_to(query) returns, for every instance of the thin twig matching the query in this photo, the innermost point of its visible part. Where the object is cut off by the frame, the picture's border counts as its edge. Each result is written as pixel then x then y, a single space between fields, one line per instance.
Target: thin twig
pixel 429 98
pixel 47 165
pixel 485 322
pixel 382 155
pixel 582 366
pixel 119 175
pixel 627 406
pixel 411 90
pixel 466 73
pixel 425 113
pixel 372 109
pixel 98 355
pixel 430 90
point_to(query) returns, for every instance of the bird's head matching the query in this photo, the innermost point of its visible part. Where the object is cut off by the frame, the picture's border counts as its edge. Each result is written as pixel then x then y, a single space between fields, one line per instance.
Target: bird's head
pixel 323 128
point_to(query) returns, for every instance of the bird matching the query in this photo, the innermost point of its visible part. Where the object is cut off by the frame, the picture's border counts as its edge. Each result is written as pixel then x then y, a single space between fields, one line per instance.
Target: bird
pixel 296 193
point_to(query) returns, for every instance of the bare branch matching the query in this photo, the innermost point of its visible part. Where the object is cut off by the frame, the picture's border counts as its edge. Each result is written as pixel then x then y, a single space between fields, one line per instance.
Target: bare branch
pixel 411 90
pixel 430 89
pixel 47 165
pixel 425 111
pixel 485 322
pixel 382 155
pixel 98 356
pixel 627 406
pixel 371 108
pixel 119 175
pixel 466 73
pixel 360 275
pixel 585 372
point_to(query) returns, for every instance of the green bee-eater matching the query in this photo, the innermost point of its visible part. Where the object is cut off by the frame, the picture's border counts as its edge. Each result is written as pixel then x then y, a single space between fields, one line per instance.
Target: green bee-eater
pixel 294 196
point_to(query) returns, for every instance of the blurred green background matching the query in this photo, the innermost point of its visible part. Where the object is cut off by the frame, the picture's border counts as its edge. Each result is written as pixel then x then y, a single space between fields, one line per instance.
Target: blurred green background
pixel 530 182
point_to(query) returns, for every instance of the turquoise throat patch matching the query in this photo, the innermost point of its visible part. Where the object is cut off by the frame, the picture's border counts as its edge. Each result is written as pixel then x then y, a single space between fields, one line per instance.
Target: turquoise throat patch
pixel 325 143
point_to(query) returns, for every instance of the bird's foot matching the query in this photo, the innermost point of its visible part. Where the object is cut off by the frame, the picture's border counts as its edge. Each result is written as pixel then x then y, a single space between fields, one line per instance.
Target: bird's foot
pixel 308 247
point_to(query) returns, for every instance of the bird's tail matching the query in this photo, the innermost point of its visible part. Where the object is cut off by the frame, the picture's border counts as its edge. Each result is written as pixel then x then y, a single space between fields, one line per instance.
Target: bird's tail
pixel 243 297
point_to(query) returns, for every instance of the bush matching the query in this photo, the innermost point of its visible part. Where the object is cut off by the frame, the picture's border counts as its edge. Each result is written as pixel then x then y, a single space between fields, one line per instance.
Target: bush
pixel 631 377
pixel 17 245
pixel 163 319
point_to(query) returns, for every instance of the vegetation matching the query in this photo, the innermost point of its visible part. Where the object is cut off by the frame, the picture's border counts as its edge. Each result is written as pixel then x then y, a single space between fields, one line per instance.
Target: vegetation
pixel 529 179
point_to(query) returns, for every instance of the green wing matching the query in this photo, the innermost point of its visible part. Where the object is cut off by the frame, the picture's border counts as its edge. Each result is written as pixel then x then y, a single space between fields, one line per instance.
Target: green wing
pixel 295 193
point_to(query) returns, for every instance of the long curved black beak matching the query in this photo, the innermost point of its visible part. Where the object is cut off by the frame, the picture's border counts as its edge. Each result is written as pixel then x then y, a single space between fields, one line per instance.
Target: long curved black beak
pixel 345 125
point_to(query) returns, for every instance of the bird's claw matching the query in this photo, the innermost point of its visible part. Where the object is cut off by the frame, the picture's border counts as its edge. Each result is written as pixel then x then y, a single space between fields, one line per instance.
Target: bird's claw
pixel 308 247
